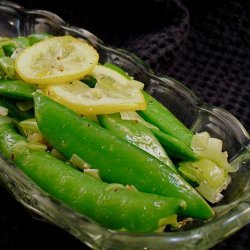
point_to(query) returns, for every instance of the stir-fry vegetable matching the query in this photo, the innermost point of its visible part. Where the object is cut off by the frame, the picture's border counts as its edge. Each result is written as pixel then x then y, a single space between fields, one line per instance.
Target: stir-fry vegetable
pixel 160 116
pixel 116 159
pixel 114 206
pixel 17 89
pixel 136 133
pixel 72 119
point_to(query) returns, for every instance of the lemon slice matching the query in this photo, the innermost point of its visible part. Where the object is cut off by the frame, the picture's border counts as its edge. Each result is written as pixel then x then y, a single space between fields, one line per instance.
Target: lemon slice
pixel 113 82
pixel 112 93
pixel 56 60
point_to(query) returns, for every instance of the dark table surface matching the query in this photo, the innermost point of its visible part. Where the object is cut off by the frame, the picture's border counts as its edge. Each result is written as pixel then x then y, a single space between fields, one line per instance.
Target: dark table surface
pixel 203 44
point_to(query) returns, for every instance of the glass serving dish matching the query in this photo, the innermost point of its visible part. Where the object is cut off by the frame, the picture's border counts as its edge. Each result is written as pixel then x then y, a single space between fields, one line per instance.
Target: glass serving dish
pixel 232 213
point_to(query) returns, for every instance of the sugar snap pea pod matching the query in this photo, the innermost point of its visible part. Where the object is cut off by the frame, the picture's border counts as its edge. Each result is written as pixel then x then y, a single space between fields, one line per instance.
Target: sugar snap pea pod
pixel 5 41
pixel 21 41
pixel 160 116
pixel 137 134
pixel 17 42
pixel 17 89
pixel 7 66
pixel 117 160
pixel 175 147
pixel 9 49
pixel 14 111
pixel 2 54
pixel 2 74
pixel 37 37
pixel 117 69
pixel 110 205
pixel 154 112
pixel 90 81
pixel 8 137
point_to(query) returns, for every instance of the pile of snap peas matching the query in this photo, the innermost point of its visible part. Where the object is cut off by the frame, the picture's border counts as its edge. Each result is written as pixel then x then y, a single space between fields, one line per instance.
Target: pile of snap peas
pixel 139 189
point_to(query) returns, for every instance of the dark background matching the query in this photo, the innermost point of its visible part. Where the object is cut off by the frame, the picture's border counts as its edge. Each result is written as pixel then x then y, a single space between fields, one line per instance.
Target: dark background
pixel 203 44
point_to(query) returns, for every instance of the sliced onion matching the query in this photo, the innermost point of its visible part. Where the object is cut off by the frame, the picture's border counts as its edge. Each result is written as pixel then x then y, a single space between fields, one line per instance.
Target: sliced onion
pixel 57 155
pixel 3 111
pixel 209 193
pixel 211 148
pixel 37 146
pixel 133 116
pixel 92 172
pixel 79 162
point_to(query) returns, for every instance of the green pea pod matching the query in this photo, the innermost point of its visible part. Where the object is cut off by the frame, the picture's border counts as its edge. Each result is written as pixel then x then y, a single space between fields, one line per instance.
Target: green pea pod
pixel 17 42
pixel 17 89
pixel 111 205
pixel 117 160
pixel 162 120
pixel 2 54
pixel 21 42
pixel 9 49
pixel 161 117
pixel 137 134
pixel 175 147
pixel 7 46
pixel 7 66
pixel 117 69
pixel 90 81
pixel 4 41
pixel 14 111
pixel 34 38
pixel 8 138
pixel 2 74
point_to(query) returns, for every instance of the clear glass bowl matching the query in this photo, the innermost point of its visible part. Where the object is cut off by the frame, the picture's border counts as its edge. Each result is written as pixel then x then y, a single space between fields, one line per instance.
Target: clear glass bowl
pixel 232 213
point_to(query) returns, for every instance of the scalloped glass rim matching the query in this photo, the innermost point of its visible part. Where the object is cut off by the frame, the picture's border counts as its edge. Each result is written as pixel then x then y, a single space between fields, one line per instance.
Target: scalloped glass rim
pixel 232 213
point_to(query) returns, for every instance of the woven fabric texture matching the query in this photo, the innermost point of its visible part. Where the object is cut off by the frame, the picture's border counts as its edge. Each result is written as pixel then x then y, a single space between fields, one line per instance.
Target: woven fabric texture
pixel 207 48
